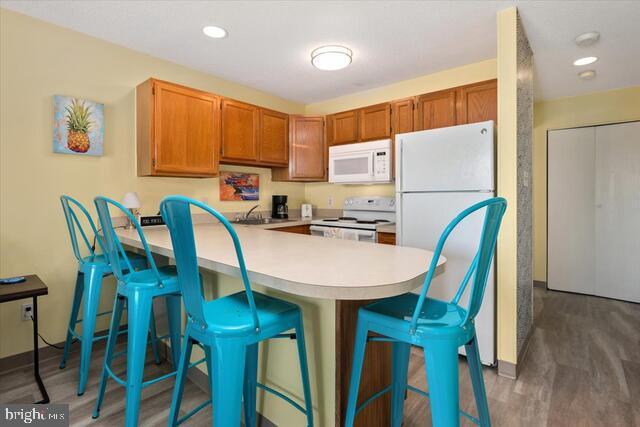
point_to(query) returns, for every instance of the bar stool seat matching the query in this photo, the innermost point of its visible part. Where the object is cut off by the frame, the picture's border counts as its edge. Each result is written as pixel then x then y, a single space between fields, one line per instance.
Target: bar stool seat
pixel 436 317
pixel 146 278
pixel 232 314
pixel 137 261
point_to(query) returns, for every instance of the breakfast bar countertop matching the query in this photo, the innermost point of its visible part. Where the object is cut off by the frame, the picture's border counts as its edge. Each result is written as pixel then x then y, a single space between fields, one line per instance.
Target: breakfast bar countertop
pixel 299 264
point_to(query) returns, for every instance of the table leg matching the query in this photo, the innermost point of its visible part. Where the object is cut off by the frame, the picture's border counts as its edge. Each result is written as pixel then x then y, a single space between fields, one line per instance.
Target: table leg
pixel 376 370
pixel 36 358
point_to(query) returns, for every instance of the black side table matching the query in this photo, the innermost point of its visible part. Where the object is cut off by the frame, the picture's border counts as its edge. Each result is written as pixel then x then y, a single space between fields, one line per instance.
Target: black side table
pixel 33 287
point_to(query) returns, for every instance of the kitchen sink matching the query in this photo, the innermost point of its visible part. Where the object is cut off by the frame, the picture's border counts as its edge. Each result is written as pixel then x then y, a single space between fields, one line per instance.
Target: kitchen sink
pixel 260 221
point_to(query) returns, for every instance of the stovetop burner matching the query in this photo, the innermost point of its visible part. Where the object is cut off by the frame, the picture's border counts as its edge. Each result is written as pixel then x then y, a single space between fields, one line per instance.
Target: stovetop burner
pixel 356 220
pixel 372 221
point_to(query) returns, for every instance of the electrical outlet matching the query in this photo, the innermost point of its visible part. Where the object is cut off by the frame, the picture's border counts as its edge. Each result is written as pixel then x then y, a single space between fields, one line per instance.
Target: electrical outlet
pixel 330 201
pixel 27 310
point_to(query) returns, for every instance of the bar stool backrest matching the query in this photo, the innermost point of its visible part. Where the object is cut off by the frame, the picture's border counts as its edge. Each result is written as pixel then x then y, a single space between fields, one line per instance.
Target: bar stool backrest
pixel 70 206
pixel 481 264
pixel 176 211
pixel 113 247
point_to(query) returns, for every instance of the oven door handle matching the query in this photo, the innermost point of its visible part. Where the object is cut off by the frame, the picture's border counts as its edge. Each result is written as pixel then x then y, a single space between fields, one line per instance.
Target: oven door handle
pixel 319 228
pixel 366 233
pixel 361 233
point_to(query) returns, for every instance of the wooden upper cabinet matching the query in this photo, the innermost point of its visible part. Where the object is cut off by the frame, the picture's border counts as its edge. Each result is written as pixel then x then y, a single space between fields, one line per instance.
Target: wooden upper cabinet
pixel 307 151
pixel 436 110
pixel 402 116
pixel 343 127
pixel 375 122
pixel 274 140
pixel 178 130
pixel 478 102
pixel 240 132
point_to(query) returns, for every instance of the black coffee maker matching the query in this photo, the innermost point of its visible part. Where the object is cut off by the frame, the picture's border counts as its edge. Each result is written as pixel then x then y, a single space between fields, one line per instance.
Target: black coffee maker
pixel 279 207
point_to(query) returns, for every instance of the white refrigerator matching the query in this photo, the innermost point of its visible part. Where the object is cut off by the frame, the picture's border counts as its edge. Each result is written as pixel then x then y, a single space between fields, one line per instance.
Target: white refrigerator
pixel 439 173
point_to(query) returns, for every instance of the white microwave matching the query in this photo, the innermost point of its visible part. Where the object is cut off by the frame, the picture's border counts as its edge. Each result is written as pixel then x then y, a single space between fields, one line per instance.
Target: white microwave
pixel 361 163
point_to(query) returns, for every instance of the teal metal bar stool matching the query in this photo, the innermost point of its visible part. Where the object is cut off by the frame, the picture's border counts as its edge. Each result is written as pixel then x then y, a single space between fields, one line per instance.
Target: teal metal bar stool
pixel 92 268
pixel 137 289
pixel 439 327
pixel 230 328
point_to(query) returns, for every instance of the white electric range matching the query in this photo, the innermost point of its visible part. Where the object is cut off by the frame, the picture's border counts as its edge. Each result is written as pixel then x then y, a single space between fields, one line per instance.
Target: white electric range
pixel 361 217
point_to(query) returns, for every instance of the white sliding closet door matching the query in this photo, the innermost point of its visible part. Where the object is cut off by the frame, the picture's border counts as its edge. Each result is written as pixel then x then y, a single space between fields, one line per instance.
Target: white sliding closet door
pixel 617 217
pixel 571 213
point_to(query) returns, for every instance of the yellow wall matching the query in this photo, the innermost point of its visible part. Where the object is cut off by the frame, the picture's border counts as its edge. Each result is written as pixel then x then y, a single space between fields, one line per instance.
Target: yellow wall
pixel 507 180
pixel 37 62
pixel 319 193
pixel 596 108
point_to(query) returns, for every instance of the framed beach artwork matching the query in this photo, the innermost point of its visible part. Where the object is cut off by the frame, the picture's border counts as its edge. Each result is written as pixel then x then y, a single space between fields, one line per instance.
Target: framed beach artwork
pixel 78 126
pixel 239 186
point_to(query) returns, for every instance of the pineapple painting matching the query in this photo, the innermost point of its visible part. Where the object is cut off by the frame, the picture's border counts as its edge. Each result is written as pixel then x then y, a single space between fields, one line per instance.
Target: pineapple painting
pixel 78 126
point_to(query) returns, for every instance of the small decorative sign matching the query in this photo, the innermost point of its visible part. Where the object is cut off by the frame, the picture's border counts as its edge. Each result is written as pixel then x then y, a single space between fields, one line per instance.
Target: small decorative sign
pixel 78 126
pixel 239 186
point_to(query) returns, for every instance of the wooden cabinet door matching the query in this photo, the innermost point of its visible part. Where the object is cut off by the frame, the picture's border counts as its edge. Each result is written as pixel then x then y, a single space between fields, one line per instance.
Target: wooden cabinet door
pixel 386 238
pixel 307 151
pixel 240 131
pixel 274 140
pixel 478 102
pixel 436 110
pixel 402 116
pixel 297 229
pixel 343 127
pixel 186 125
pixel 375 122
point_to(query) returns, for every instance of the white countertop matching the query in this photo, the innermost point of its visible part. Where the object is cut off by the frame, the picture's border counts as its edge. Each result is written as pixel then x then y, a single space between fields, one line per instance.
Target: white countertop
pixel 299 264
pixel 387 228
pixel 288 223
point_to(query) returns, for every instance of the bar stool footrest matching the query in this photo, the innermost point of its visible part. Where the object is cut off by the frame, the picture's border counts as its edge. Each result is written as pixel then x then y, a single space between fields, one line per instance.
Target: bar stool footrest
pixel 193 412
pixel 282 396
pixel 425 394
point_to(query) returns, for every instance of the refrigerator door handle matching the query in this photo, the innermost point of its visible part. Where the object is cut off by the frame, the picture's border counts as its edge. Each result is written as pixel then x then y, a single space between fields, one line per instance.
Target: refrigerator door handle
pixel 398 165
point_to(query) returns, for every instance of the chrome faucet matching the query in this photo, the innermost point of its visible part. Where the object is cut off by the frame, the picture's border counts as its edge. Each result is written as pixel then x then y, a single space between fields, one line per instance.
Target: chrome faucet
pixel 248 214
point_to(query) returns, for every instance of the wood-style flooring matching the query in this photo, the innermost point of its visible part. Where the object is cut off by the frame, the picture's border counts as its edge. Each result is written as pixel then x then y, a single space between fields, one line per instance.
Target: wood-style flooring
pixel 582 369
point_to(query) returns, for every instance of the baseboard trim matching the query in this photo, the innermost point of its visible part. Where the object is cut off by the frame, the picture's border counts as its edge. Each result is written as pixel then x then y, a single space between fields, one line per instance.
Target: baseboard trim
pixel 507 369
pixel 511 370
pixel 540 284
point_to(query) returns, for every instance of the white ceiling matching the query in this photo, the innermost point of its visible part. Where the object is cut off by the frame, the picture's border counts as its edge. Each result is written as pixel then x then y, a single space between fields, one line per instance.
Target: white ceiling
pixel 270 42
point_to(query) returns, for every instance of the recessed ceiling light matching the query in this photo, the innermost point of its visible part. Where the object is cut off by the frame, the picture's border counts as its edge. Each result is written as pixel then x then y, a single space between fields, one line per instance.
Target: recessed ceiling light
pixel 215 32
pixel 587 39
pixel 587 75
pixel 585 61
pixel 332 57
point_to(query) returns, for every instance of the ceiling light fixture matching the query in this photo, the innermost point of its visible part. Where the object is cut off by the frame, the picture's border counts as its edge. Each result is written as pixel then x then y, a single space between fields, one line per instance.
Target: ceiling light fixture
pixel 585 61
pixel 587 39
pixel 587 75
pixel 215 32
pixel 331 57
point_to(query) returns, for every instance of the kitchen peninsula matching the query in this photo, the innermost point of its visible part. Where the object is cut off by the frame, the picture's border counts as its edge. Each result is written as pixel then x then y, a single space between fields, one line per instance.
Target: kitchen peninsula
pixel 330 279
